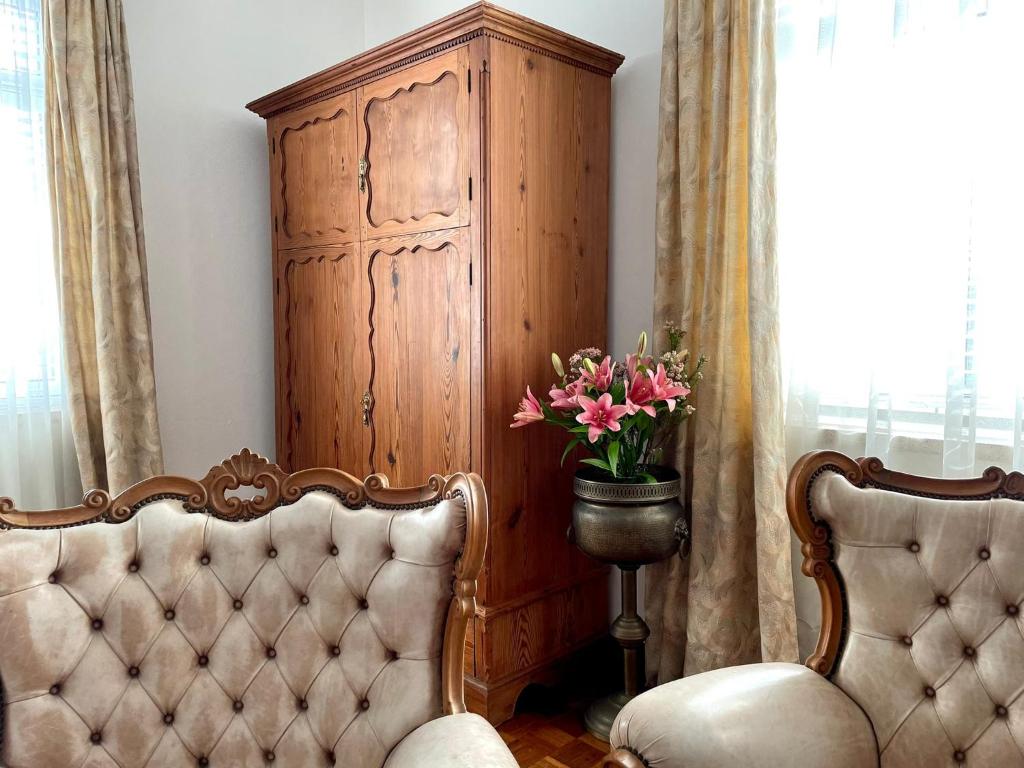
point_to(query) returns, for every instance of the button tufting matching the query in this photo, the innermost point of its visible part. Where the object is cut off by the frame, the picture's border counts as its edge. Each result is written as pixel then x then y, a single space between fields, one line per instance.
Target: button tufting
pixel 942 600
pixel 365 704
pixel 238 705
pixel 202 762
pixel 929 692
pixel 203 660
pixel 302 704
pixel 54 689
pixel 237 605
pixel 269 757
pixel 392 655
pixel 169 614
pixel 133 671
pixel 330 758
pixel 133 567
pixel 271 552
pixel 364 604
pixel 335 650
pixel 95 737
pixel 168 718
pixel 52 578
pixel 393 554
pixel 205 559
pixel 959 756
pixel 271 653
pixel 984 554
pixel 907 640
pixel 914 546
pixel 97 624
pixel 304 599
pixel 334 553
pixel 1001 711
pixel 968 651
pixel 1012 609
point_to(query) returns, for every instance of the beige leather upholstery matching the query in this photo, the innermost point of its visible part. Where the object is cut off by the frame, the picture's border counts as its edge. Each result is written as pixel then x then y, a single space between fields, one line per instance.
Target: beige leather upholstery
pixel 310 636
pixel 456 741
pixel 756 716
pixel 924 637
pixel 934 650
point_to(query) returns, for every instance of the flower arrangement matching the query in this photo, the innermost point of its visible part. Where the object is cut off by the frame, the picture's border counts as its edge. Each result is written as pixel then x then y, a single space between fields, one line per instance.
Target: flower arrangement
pixel 621 412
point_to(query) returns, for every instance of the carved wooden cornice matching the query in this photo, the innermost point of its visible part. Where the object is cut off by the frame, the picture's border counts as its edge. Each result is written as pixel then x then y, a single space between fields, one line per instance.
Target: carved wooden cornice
pixel 816 536
pixel 480 19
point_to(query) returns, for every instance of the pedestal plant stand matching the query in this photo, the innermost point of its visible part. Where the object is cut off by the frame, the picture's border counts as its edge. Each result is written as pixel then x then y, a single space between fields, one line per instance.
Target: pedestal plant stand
pixel 627 525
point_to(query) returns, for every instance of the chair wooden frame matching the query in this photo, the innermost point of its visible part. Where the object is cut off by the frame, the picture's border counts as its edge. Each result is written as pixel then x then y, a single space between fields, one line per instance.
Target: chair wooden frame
pixel 247 469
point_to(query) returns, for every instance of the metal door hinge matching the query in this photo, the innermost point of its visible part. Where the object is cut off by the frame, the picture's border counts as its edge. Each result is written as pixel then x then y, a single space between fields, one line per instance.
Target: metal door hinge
pixel 469 80
pixel 470 187
pixel 471 273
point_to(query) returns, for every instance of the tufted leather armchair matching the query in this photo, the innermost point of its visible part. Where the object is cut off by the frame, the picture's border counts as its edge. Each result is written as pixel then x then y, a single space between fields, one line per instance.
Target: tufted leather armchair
pixel 920 660
pixel 319 623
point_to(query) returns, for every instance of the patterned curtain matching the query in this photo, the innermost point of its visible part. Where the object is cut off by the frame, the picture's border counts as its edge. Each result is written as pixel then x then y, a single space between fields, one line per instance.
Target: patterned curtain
pixel 731 601
pixel 101 257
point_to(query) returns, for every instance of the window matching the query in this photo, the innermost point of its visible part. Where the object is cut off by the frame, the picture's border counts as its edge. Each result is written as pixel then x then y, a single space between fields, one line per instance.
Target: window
pixel 900 168
pixel 35 445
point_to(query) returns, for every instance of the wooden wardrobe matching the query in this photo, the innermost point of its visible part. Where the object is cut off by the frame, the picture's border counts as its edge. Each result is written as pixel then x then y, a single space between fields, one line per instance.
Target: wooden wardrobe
pixel 440 226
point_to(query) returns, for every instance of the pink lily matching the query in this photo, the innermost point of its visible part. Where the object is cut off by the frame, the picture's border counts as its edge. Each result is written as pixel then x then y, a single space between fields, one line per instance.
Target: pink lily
pixel 641 396
pixel 600 415
pixel 565 399
pixel 601 378
pixel 529 411
pixel 633 361
pixel 664 388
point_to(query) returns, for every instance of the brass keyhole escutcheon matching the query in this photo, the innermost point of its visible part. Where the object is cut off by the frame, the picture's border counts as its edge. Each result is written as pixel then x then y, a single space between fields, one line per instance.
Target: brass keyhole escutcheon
pixel 366 408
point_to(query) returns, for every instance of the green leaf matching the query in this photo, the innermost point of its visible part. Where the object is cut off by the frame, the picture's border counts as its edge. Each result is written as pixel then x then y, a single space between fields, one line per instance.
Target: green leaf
pixel 599 463
pixel 582 429
pixel 618 393
pixel 613 457
pixel 568 449
pixel 648 477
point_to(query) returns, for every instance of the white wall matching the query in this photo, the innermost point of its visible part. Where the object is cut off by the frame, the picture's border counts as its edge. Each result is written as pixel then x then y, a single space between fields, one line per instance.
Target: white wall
pixel 633 29
pixel 205 197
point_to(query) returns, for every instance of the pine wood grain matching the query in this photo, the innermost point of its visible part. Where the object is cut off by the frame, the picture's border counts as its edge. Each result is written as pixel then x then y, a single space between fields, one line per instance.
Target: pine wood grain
pixel 419 344
pixel 414 136
pixel 313 168
pixel 323 362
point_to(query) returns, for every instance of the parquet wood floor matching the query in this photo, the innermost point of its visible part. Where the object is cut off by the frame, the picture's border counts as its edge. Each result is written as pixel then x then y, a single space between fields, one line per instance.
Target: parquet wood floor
pixel 547 736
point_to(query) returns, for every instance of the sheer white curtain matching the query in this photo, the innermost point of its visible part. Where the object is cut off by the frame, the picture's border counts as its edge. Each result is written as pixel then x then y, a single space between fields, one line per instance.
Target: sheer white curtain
pixel 38 467
pixel 900 171
pixel 900 202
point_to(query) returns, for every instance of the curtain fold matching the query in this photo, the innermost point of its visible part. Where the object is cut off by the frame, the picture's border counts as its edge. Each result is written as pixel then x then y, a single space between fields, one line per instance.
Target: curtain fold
pixel 731 601
pixel 98 239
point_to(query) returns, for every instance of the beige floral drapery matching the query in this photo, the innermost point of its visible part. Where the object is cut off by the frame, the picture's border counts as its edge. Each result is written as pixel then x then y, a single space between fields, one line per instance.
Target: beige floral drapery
pixel 731 601
pixel 100 253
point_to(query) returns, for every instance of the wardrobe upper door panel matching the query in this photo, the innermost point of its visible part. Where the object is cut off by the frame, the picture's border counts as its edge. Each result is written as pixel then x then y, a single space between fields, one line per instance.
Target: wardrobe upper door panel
pixel 414 144
pixel 420 340
pixel 314 182
pixel 323 368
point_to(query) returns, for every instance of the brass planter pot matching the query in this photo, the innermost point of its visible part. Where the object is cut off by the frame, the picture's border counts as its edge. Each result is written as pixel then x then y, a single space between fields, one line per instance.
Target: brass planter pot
pixel 628 525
